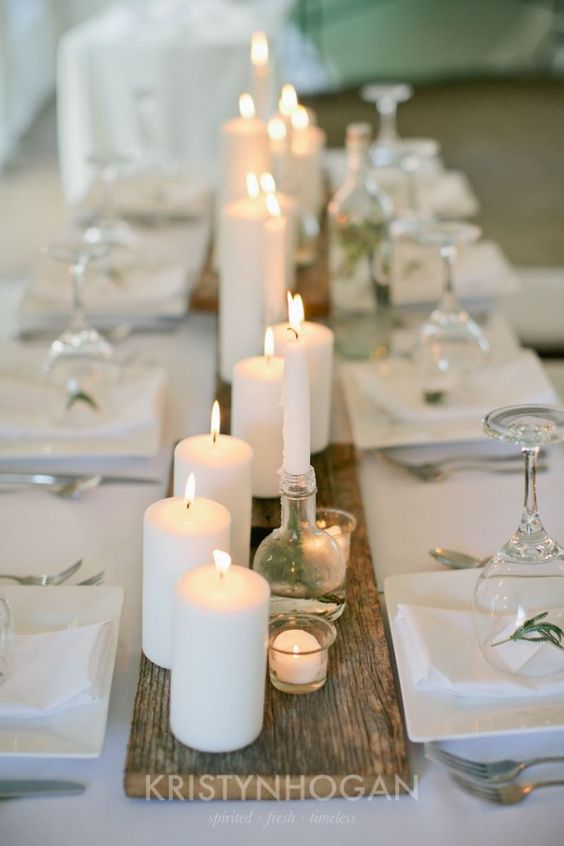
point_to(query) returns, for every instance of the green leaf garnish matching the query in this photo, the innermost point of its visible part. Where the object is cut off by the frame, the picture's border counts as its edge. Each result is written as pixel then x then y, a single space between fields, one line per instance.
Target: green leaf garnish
pixel 81 396
pixel 535 631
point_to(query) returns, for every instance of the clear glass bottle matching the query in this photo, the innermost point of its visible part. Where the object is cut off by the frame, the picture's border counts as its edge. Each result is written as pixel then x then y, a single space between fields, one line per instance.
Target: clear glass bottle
pixel 303 564
pixel 360 255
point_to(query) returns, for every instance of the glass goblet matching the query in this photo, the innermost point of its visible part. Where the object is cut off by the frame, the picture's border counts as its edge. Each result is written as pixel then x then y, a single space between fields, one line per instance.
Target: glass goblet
pixel 519 597
pixel 108 228
pixel 386 96
pixel 398 168
pixel 450 346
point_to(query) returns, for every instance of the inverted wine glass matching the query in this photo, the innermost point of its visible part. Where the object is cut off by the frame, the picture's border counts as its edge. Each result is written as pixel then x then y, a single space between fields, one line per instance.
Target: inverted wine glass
pixel 450 345
pixel 386 96
pixel 80 367
pixel 519 597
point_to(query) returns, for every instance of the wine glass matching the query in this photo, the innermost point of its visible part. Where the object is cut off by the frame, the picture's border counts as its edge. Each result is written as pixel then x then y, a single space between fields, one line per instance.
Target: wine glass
pixel 519 597
pixel 450 345
pixel 150 159
pixel 108 227
pixel 386 96
pixel 405 158
pixel 7 637
pixel 80 368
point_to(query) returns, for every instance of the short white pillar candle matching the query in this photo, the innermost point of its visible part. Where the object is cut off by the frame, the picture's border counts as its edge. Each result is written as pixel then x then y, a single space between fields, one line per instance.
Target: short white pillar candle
pixel 219 657
pixel 257 415
pixel 178 533
pixel 223 467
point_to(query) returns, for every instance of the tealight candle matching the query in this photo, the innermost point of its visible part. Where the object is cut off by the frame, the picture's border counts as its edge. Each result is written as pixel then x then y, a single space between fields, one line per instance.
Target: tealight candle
pixel 256 415
pixel 219 656
pixel 320 342
pixel 223 467
pixel 179 533
pixel 244 149
pixel 298 652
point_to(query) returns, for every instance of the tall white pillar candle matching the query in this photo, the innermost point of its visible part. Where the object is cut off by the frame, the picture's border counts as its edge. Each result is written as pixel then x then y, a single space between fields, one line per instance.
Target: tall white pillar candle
pixel 222 465
pixel 289 209
pixel 320 342
pixel 219 658
pixel 261 75
pixel 308 142
pixel 280 154
pixel 296 401
pixel 256 415
pixel 178 534
pixel 253 260
pixel 244 148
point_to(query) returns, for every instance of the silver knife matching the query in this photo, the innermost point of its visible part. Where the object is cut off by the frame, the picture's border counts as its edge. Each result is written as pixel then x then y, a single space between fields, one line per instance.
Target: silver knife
pixel 18 789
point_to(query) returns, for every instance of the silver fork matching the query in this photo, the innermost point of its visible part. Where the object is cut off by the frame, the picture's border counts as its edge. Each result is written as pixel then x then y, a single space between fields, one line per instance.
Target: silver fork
pixel 489 771
pixel 45 579
pixel 96 579
pixel 435 471
pixel 503 794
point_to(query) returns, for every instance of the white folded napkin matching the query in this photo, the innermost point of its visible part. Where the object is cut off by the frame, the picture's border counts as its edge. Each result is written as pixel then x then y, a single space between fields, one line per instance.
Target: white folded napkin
pixel 396 388
pixel 52 671
pixel 482 271
pixel 177 197
pixel 23 414
pixel 443 655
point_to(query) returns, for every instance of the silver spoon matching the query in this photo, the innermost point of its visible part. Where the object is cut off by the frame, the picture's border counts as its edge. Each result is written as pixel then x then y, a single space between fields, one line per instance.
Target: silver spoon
pixel 457 560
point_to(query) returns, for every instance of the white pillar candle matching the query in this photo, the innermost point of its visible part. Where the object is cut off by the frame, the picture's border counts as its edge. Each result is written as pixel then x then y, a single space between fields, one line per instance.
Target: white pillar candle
pixel 261 75
pixel 222 465
pixel 179 533
pixel 256 415
pixel 244 149
pixel 308 143
pixel 253 260
pixel 289 208
pixel 300 659
pixel 280 154
pixel 320 342
pixel 296 400
pixel 219 657
pixel 287 104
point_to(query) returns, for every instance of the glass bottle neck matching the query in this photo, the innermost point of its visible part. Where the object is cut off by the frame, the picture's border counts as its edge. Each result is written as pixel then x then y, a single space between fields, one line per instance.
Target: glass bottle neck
pixel 357 165
pixel 298 499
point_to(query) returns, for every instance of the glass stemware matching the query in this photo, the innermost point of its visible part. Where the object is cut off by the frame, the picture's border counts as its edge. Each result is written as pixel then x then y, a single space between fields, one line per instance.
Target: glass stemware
pixel 150 160
pixel 386 96
pixel 519 597
pixel 7 637
pixel 108 228
pixel 80 367
pixel 450 346
pixel 398 168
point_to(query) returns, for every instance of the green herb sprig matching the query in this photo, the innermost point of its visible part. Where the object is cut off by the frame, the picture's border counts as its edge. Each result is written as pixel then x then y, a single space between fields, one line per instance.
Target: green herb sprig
pixel 81 396
pixel 536 631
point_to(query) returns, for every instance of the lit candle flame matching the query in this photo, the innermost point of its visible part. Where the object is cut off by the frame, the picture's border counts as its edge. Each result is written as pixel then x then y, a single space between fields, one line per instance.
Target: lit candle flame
pixel 296 649
pixel 267 183
pixel 276 129
pixel 253 187
pixel 295 313
pixel 214 429
pixel 259 49
pixel 288 100
pixel 246 106
pixel 300 118
pixel 222 561
pixel 272 205
pixel 190 490
pixel 268 344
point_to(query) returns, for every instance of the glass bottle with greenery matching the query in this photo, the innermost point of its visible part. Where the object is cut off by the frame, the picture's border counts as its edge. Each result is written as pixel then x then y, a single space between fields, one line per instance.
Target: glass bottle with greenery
pixel 360 255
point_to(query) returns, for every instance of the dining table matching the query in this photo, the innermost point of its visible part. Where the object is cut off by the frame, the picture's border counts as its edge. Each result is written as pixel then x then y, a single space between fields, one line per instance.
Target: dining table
pixel 406 517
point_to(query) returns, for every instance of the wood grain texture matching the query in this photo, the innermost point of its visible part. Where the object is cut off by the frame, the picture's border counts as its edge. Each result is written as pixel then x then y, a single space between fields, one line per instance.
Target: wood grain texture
pixel 345 739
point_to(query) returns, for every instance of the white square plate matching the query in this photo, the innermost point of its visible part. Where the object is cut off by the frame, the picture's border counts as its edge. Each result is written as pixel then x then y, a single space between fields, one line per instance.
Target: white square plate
pixel 77 732
pixel 440 716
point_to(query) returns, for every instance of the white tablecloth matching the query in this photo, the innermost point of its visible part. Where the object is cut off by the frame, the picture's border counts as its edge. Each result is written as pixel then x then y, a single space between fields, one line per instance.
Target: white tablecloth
pixel 194 56
pixel 405 519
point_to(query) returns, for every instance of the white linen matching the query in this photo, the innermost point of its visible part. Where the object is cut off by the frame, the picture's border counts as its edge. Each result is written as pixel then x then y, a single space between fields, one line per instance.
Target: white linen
pixel 443 655
pixel 482 272
pixel 23 412
pixel 181 51
pixel 396 388
pixel 52 671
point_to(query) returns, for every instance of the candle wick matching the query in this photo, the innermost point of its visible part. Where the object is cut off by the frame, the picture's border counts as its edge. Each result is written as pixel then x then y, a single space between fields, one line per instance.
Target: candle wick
pixel 188 504
pixel 295 331
pixel 214 437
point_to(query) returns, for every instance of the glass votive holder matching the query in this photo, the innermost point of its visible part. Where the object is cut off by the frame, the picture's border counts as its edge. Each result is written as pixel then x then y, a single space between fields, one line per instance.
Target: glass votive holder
pixel 340 525
pixel 298 652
